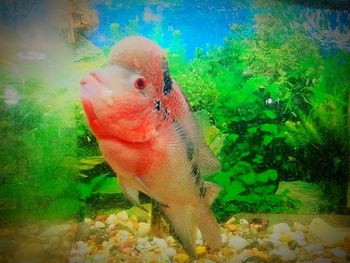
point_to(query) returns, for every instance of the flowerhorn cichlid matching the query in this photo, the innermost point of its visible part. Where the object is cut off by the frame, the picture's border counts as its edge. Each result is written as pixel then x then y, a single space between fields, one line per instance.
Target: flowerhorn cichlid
pixel 148 135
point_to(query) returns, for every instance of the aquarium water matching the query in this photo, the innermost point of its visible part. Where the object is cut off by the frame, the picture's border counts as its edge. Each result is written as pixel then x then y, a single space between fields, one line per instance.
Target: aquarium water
pixel 247 105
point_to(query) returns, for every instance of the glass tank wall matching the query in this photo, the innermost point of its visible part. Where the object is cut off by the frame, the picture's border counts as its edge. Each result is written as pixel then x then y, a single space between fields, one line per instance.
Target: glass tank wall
pixel 268 82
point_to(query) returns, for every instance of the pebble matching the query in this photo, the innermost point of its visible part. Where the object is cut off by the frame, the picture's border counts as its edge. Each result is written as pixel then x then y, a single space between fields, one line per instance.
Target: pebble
pixel 338 252
pixel 181 258
pixel 243 222
pixel 123 216
pixel 111 219
pixel 326 234
pixel 231 227
pixel 143 228
pixel 299 227
pixel 231 220
pixel 281 228
pixel 224 238
pixel 120 238
pixel 298 237
pixel 161 243
pixel 238 243
pixel 169 251
pixel 122 235
pixel 201 250
pixel 99 224
pixel 285 253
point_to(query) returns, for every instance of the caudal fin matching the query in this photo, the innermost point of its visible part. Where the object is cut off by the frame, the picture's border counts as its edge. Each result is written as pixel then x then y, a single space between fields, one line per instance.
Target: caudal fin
pixel 183 221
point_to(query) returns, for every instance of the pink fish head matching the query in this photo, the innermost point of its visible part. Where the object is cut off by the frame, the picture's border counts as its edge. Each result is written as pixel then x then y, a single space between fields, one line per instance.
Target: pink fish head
pixel 119 100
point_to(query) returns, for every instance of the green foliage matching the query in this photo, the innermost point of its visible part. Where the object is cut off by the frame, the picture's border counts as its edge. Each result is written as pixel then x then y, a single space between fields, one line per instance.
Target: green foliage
pixel 273 97
pixel 321 135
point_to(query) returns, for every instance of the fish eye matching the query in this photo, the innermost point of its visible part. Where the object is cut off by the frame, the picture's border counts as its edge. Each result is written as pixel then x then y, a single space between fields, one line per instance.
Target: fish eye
pixel 140 83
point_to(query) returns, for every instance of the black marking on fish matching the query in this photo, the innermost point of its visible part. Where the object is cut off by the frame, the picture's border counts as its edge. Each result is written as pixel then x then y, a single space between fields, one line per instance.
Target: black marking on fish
pixel 190 150
pixel 185 139
pixel 167 81
pixel 196 174
pixel 165 113
pixel 198 181
pixel 202 191
pixel 158 105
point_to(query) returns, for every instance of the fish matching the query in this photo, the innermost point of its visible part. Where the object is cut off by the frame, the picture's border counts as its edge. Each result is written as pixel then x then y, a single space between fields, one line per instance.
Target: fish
pixel 147 132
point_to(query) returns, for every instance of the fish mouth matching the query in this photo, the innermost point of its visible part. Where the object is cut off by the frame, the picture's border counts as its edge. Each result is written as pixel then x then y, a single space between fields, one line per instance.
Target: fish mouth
pixel 91 76
pixel 93 86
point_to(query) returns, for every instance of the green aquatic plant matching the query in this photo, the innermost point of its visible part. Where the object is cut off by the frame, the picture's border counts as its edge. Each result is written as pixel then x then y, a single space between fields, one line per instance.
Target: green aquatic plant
pixel 40 143
pixel 321 136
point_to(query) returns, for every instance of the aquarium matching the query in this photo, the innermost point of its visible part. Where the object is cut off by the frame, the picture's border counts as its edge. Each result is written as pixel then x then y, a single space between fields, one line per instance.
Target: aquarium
pixel 175 131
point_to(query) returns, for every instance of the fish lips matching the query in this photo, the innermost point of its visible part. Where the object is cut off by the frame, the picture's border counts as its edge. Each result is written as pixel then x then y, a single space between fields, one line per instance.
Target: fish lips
pixel 92 86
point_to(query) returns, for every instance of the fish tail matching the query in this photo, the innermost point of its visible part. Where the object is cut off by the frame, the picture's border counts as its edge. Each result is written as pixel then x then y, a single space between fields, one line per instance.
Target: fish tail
pixel 206 221
pixel 183 222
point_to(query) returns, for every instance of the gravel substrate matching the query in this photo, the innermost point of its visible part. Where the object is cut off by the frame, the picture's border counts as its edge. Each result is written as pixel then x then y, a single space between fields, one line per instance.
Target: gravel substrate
pixel 123 238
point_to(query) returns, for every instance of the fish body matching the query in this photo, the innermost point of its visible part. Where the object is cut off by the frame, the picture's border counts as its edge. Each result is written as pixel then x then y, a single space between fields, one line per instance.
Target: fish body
pixel 148 135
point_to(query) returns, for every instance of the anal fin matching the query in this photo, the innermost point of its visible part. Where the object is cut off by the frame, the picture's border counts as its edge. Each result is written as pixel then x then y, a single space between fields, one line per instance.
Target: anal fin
pixel 183 221
pixel 209 227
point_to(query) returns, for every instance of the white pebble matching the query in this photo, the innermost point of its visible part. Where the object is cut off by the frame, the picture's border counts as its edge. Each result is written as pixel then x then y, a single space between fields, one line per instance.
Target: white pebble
pixel 170 252
pixel 243 222
pixel 99 224
pixel 281 228
pixel 107 245
pixel 224 238
pixel 298 237
pixel 82 247
pixel 161 243
pixel 299 227
pixel 141 241
pixel 239 258
pixel 285 253
pixel 111 219
pixel 123 215
pixel 199 242
pixel 143 228
pixel 338 252
pixel 238 243
pixel 123 235
pixel 275 238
